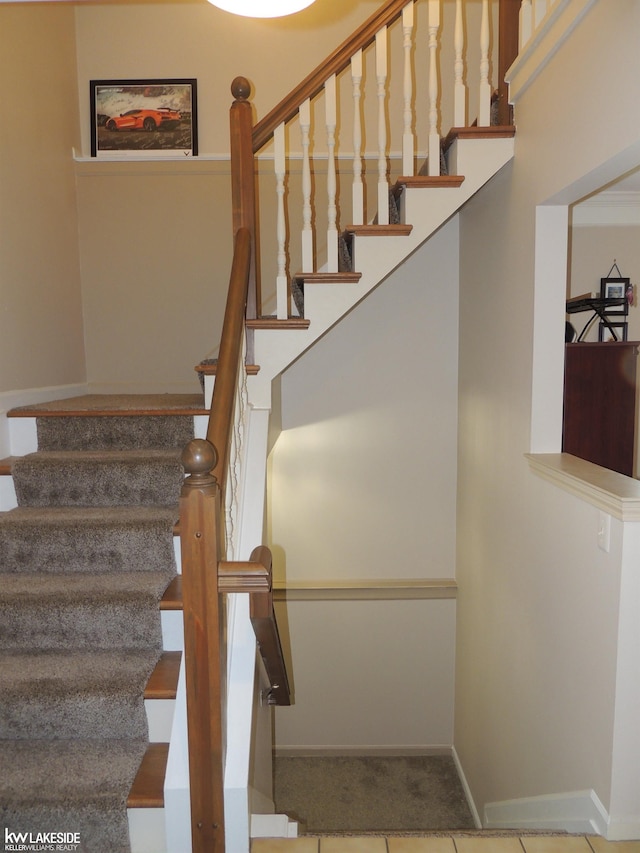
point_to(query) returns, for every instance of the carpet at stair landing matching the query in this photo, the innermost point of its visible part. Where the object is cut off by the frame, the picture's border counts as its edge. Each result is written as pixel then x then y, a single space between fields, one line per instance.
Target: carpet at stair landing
pixel 371 794
pixel 84 561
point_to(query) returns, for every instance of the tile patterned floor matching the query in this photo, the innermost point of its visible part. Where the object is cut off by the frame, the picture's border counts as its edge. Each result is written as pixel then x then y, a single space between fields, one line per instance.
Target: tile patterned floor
pixel 453 844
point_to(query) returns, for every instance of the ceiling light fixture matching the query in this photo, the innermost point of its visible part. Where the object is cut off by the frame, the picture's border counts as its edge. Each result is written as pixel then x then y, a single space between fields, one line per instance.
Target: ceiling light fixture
pixel 262 8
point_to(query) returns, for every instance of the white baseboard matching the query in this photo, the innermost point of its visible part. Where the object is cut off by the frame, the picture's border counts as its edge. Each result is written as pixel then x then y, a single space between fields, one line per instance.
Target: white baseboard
pixel 573 811
pixel 466 789
pixel 358 751
pixel 11 443
pixel 31 396
pixel 273 826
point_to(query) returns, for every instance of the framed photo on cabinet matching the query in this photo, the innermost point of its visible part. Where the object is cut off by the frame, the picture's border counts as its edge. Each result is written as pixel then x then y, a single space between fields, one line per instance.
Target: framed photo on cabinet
pixel 144 118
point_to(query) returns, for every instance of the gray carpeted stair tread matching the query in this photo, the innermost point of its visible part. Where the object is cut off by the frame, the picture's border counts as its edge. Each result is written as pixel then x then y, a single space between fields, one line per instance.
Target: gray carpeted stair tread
pixel 81 611
pixel 114 433
pixel 61 694
pixel 55 539
pixel 84 561
pixel 70 785
pixel 98 478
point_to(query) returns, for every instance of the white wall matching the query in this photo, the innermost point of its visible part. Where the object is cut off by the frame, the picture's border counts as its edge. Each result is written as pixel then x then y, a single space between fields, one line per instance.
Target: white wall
pixel 363 480
pixel 539 603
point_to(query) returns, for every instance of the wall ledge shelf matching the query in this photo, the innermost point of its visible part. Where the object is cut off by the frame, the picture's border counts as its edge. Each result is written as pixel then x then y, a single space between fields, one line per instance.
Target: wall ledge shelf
pixel 366 590
pixel 613 493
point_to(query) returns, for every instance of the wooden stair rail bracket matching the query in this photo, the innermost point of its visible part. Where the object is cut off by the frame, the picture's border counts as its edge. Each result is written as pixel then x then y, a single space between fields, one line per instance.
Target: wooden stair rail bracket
pixel 255 577
pixel 204 649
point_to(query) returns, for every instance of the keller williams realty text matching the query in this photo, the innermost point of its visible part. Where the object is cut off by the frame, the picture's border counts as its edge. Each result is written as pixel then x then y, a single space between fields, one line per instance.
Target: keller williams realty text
pixel 41 841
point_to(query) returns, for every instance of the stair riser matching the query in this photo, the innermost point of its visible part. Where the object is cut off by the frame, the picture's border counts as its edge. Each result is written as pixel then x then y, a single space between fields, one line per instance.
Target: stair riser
pixel 41 482
pixel 102 716
pixel 114 433
pixel 111 625
pixel 80 547
pixel 112 765
pixel 159 713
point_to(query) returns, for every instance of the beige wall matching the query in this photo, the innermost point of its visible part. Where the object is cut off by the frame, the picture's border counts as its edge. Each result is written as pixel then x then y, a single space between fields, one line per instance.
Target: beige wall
pixel 362 487
pixel 41 340
pixel 151 240
pixel 538 603
pixel 155 238
pixel 155 243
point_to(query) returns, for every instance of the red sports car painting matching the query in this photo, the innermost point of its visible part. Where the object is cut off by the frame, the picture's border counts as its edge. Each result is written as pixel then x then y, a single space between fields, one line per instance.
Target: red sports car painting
pixel 149 120
pixel 144 118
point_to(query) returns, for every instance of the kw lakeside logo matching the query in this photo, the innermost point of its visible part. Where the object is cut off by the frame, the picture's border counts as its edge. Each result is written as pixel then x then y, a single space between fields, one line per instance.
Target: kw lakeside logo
pixel 38 842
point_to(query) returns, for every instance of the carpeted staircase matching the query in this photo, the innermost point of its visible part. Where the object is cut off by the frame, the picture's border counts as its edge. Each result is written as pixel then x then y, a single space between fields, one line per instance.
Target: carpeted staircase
pixel 84 561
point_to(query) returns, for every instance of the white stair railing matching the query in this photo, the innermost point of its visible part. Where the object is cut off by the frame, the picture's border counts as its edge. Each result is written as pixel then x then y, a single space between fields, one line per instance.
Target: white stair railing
pixel 434 131
pixel 460 91
pixel 307 231
pixel 398 104
pixel 381 78
pixel 407 136
pixel 332 211
pixel 532 14
pixel 484 110
pixel 357 194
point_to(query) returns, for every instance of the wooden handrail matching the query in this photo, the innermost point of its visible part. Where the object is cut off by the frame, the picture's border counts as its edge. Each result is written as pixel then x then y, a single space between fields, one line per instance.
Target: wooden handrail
pixel 243 190
pixel 333 64
pixel 220 427
pixel 255 577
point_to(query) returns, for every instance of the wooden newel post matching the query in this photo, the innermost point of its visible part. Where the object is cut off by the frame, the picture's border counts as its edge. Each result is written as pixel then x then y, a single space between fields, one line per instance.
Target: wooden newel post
pixel 243 191
pixel 204 649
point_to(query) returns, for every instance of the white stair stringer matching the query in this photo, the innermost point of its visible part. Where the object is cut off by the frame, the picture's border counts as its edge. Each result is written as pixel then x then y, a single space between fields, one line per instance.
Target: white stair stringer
pixel 375 257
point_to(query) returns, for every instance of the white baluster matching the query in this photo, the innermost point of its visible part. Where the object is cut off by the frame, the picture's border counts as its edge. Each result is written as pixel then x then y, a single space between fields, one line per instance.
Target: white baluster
pixel 357 215
pixel 525 23
pixel 484 103
pixel 381 76
pixel 332 231
pixel 408 164
pixel 307 232
pixel 434 136
pixel 460 91
pixel 282 297
pixel 540 12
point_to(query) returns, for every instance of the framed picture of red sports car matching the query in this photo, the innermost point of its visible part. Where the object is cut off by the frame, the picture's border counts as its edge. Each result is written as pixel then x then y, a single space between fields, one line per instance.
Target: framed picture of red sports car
pixel 144 118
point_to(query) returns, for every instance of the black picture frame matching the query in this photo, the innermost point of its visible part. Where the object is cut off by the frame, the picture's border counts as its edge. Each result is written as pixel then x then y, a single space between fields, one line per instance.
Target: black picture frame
pixel 144 118
pixel 614 288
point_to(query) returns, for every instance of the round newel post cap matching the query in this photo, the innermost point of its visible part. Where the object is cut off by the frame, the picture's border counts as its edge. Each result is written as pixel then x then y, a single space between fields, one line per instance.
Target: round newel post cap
pixel 241 89
pixel 199 458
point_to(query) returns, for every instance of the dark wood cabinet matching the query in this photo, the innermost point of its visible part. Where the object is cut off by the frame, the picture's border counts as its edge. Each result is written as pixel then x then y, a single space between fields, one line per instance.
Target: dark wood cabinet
pixel 600 403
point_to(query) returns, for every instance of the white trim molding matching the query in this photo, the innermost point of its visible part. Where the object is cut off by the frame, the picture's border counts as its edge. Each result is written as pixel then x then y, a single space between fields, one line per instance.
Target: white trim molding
pixel 365 590
pixel 574 811
pixel 607 490
pixel 467 789
pixel 613 208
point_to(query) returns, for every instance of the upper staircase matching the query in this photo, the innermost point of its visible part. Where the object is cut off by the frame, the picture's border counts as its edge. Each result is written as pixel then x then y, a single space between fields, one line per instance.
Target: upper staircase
pixel 363 169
